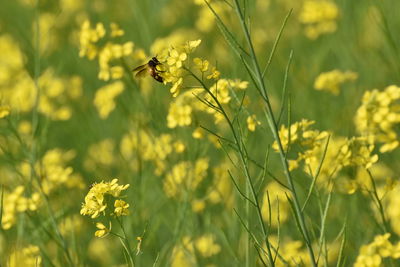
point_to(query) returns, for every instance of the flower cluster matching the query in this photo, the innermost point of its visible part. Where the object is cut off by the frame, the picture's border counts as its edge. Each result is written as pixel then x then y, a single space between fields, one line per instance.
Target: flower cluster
pixel 19 89
pixel 275 206
pixel 319 17
pixel 183 106
pixel 95 202
pixel 15 202
pixel 252 123
pixel 301 135
pixel 392 202
pixel 184 253
pixel 185 176
pixel 27 256
pixel 156 149
pixel 176 58
pixel 342 153
pixel 372 254
pixel 331 81
pixel 4 111
pixel 293 252
pixel 100 155
pixel 108 54
pixel 104 99
pixel 378 117
pixel 54 171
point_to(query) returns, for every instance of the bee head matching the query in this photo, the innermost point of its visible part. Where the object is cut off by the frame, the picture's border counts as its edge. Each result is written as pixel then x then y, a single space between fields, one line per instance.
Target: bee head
pixel 155 60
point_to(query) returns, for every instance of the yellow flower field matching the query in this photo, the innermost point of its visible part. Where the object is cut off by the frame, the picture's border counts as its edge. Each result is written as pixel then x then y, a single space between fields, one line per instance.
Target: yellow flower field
pixel 200 133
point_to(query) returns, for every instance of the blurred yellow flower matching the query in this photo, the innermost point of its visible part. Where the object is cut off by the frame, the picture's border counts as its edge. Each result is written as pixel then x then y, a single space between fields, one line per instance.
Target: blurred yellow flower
pixel 104 98
pixel 206 245
pixel 378 117
pixel 28 256
pixel 275 206
pixel 185 176
pixel 16 202
pixel 4 111
pixel 116 31
pixel 179 115
pixel 252 122
pixel 331 81
pixel 372 254
pixel 319 17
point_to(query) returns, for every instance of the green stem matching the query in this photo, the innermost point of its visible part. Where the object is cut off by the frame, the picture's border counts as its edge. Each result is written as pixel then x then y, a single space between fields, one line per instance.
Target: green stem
pixel 243 159
pixel 275 132
pixel 126 241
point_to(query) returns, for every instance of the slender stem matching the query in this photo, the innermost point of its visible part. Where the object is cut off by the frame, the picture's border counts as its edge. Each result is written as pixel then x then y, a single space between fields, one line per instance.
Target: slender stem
pixel 126 241
pixel 378 202
pixel 275 132
pixel 243 159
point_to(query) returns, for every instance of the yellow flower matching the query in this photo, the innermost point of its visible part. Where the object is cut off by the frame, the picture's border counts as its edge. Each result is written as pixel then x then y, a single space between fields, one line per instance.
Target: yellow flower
pixel 4 111
pixel 214 74
pixel 378 117
pixel 100 155
pixel 331 81
pixel 16 202
pixel 121 208
pixel 94 204
pixel 206 245
pixel 104 98
pixel 116 31
pixel 27 256
pixel 252 122
pixel 103 231
pixel 198 133
pixel 176 87
pixel 179 115
pixel 88 37
pixel 373 253
pixel 191 45
pixel 201 64
pixel 319 16
pixel 275 204
pixel 185 176
pixel 176 58
pixel 242 85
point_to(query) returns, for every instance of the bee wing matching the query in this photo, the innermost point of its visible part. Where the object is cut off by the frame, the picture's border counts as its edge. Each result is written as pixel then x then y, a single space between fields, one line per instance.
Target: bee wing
pixel 139 68
pixel 141 73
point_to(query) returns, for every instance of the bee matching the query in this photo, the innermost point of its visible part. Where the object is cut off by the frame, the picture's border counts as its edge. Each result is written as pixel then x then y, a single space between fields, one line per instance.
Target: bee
pixel 151 69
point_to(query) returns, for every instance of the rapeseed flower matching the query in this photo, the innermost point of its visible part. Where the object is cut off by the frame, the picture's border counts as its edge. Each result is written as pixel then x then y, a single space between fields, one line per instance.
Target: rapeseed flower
pixel 331 81
pixel 95 203
pixel 378 117
pixel 301 135
pixel 275 206
pixel 179 115
pixel 28 256
pixel 100 155
pixel 103 230
pixel 319 17
pixel 372 254
pixel 16 202
pixel 4 111
pixel 252 123
pixel 185 176
pixel 206 246
pixel 121 208
pixel 104 98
